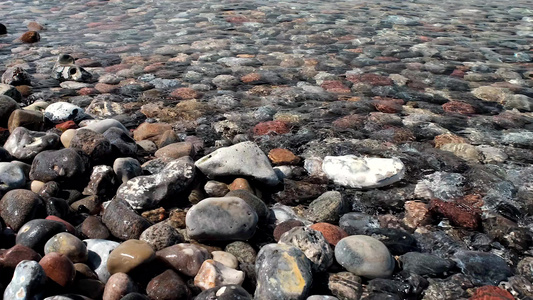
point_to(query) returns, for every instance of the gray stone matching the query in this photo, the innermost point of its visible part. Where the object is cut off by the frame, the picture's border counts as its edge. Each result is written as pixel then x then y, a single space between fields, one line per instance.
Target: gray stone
pixel 121 141
pixel 26 144
pixel 7 106
pixel 257 204
pixel 60 112
pixel 94 144
pixel 426 264
pixel 161 236
pixel 225 82
pixel 441 185
pixel 122 221
pixel 144 192
pixel 483 268
pixel 283 272
pixel 215 188
pixel 243 159
pixel 127 168
pixel 221 219
pixel 28 281
pixel 61 166
pixel 313 244
pixel 357 223
pixel 103 182
pixel 102 126
pixel 11 177
pixel 16 76
pixel 99 251
pixel 326 208
pixel 10 91
pixel 36 233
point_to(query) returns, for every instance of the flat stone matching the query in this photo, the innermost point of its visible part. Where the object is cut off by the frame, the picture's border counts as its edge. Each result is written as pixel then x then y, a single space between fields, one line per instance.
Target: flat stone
pixel 122 221
pixel 332 233
pixel 150 131
pixel 28 281
pixel 10 258
pixel 25 144
pixel 99 251
pixel 184 258
pixel 363 172
pixel 213 273
pixel 243 159
pixel 326 208
pixel 313 244
pixel 168 285
pixel 11 177
pixel 129 255
pixel 221 219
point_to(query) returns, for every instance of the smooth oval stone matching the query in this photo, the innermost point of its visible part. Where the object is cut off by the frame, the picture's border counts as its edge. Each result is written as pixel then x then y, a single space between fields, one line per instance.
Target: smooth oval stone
pixel 69 245
pixel 161 235
pixel 397 241
pixel 221 219
pixel 127 168
pixel 168 285
pixel 313 244
pixel 7 106
pixel 184 258
pixel 364 256
pixel 60 112
pixel 225 292
pixel 283 272
pixel 123 222
pixel 20 206
pixel 129 255
pixel 483 268
pixel 257 204
pixel 36 233
pixel 99 251
pixel 26 144
pixel 28 281
pixel 118 285
pixel 67 136
pixel 426 264
pixel 11 177
pixel 225 258
pixel 212 274
pixel 10 258
pixel 58 268
pixel 61 166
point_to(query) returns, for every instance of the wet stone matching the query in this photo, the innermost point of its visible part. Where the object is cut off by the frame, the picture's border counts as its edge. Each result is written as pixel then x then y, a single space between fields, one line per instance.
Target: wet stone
pixel 355 223
pixel 397 241
pixel 122 221
pixel 36 233
pixel 93 228
pixel 118 286
pixel 332 233
pixel 129 255
pixel 184 258
pixel 99 251
pixel 313 244
pixel 28 281
pixel 26 144
pixel 483 268
pixel 286 226
pixel 426 264
pixel 11 177
pixel 60 165
pixel 69 245
pixel 58 268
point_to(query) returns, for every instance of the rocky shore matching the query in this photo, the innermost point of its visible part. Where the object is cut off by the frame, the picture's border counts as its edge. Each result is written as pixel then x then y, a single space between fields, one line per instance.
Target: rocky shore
pixel 266 150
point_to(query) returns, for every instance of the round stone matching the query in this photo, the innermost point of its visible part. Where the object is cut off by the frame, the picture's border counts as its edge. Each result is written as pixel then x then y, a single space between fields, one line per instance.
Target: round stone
pixel 58 268
pixel 364 256
pixel 36 233
pixel 61 165
pixel 129 255
pixel 168 285
pixel 20 206
pixel 60 112
pixel 184 258
pixel 127 168
pixel 119 284
pixel 225 258
pixel 255 202
pixel 69 245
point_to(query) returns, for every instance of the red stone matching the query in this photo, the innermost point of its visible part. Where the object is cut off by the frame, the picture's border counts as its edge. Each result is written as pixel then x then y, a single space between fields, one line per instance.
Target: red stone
pixel 388 105
pixel 335 86
pixel 333 234
pixel 386 58
pixel 271 127
pixel 458 107
pixel 30 37
pixel 458 213
pixel 252 77
pixel 58 268
pixel 458 73
pixel 237 19
pixel 372 79
pixel 184 93
pixel 154 67
pixel 490 292
pixel 9 258
pixel 280 156
pixel 87 91
pixel 285 226
pixel 106 88
pixel 67 125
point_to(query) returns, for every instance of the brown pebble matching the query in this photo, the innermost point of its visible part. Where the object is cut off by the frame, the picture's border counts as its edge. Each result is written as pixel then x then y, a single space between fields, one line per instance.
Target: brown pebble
pixel 30 37
pixel 129 255
pixel 34 26
pixel 58 268
pixel 281 156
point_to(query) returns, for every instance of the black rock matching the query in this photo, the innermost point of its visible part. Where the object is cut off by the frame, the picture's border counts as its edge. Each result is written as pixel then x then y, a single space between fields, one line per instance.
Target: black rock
pixel 389 286
pixel 356 223
pixel 65 165
pixel 36 233
pixel 483 268
pixel 426 264
pixel 125 145
pixel 3 29
pixel 397 240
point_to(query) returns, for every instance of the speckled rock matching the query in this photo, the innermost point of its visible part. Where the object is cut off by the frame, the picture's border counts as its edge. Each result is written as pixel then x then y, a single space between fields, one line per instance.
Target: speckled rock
pixel 225 292
pixel 355 223
pixel 102 182
pixel 121 142
pixel 60 165
pixel 221 219
pixel 364 256
pixel 11 177
pixel 283 272
pixel 184 258
pixel 122 221
pixel 213 273
pixel 286 226
pixel 313 244
pixel 93 144
pixel 36 233
pixel 69 245
pixel 28 281
pixel 25 144
pixel 243 159
pixel 168 285
pixel 160 236
pixel 326 208
pixel 99 251
pixel 60 112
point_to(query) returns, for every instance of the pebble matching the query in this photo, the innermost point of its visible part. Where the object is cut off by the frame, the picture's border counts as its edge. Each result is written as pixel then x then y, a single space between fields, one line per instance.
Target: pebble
pixel 35 233
pixel 255 202
pixel 7 106
pixel 11 177
pixel 69 245
pixel 118 286
pixel 426 264
pixel 229 291
pixel 126 168
pixel 184 258
pixel 99 251
pixel 25 144
pixel 168 285
pixel 313 244
pixel 161 236
pixel 225 258
pixel 129 255
pixel 483 268
pixel 326 208
pixel 332 233
pixel 58 165
pixel 28 281
pixel 58 268
pixel 122 221
pixel 60 112
pixel 30 37
pixel 32 120
pixel 213 273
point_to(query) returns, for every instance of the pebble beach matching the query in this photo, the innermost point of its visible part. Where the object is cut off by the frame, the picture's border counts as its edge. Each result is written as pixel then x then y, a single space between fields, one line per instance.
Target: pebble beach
pixel 314 150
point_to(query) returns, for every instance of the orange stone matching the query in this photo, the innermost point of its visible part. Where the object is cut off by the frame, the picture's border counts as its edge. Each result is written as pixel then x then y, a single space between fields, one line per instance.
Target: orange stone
pixel 490 292
pixel 252 77
pixel 150 131
pixel 240 184
pixel 106 88
pixel 281 156
pixel 30 37
pixel 459 108
pixel 58 268
pixel 448 138
pixel 416 214
pixel 184 93
pixel 333 234
pixel 67 125
pixel 271 127
pixel 458 213
pixel 24 90
pixel 335 86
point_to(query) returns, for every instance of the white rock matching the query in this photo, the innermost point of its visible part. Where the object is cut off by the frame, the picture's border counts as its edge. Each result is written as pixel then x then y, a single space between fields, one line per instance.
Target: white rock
pixel 213 274
pixel 243 159
pixel 363 172
pixel 73 85
pixel 60 112
pixel 225 258
pixel 102 125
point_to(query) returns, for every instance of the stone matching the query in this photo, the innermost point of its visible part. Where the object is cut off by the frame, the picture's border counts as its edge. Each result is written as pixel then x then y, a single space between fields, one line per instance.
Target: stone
pixel 225 258
pixel 69 245
pixel 176 150
pixel 491 292
pixel 70 72
pixel 3 29
pixel 28 281
pixel 160 236
pixel 121 142
pixel 93 228
pixel 150 131
pixel 30 37
pixel 129 255
pixel 225 292
pixel 126 168
pixel 464 151
pixel 280 156
pixel 283 272
pixel 35 233
pixel 225 82
pixel 20 206
pixel 11 177
pixel 58 268
pixel 286 226
pixel 213 274
pixel 168 285
pixel 459 108
pixel 60 112
pixel 364 256
pixel 33 120
pixel 10 258
pixel 525 267
pixel 398 241
pixel 7 106
pixel 169 137
pixel 93 144
pixel 491 94
pixel 143 192
pixel 416 214
pixel 426 264
pixel 215 188
pixel 459 214
pixel 10 91
pixel 99 251
pixel 240 184
pixel 221 219
pixel 184 93
pixel 184 258
pixel 313 244
pixel 243 159
pixel 102 182
pixel 257 204
pixel 65 165
pixel 271 127
pixel 91 205
pixel 25 144
pixel 332 233
pixel 483 268
pixel 118 286
pixel 355 223
pixel 243 251
pixel 363 172
pixel 326 208
pixel 345 285
pixel 101 126
pixel 122 221
pixel 67 136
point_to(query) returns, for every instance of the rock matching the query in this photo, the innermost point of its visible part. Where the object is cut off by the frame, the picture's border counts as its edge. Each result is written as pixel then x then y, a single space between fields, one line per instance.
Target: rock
pixel 225 258
pixel 452 287
pixel 67 136
pixel 30 37
pixel 36 233
pixel 297 192
pixel 397 241
pixel 33 120
pixel 11 177
pixel 491 94
pixel 345 285
pixel 240 184
pixel 3 29
pixel 121 142
pixel 458 213
pixel 58 268
pixel 245 254
pixel 355 223
pixel 213 274
pixel 313 244
pixel 280 156
pixel 28 282
pixel 364 256
pixel 102 182
pixel 491 292
pixel 144 192
pixel 168 285
pixel 25 144
pixel 69 245
pixel 416 214
pixel 70 72
pixel 283 272
pixel 464 151
pixel 184 258
pixel 123 222
pixel 126 168
pixel 257 204
pixel 271 127
pixel 99 251
pixel 426 264
pixel 326 208
pixel 118 286
pixel 225 82
pixel 64 165
pixel 440 185
pixel 215 188
pixel 150 131
pixel 525 268
pixel 225 292
pixel 129 255
pixel 102 126
pixel 20 206
pixel 221 219
pixel 16 76
pixel 74 85
pixel 243 159
pixel 333 234
pixel 94 144
pixel 7 106
pixel 176 150
pixel 34 26
pixel 160 236
pixel 10 258
pixel 483 268
pixel 93 228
